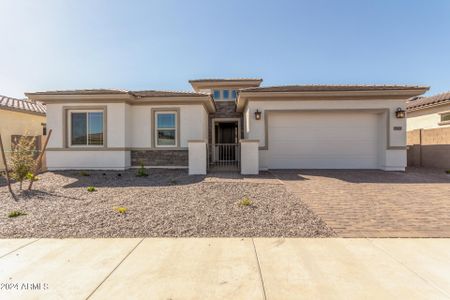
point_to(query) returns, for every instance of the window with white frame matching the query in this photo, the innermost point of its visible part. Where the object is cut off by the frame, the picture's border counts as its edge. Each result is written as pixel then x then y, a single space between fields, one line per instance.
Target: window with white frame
pixel 216 94
pixel 445 117
pixel 86 128
pixel 224 95
pixel 166 129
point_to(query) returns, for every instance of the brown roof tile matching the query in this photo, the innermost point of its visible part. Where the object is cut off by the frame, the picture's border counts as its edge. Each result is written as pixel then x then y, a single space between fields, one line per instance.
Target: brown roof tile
pixel 319 87
pixel 146 93
pixel 153 93
pixel 23 105
pixel 424 102
pixel 80 92
pixel 225 79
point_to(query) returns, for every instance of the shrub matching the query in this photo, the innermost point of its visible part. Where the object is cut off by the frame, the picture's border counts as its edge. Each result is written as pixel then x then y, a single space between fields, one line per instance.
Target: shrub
pixel 141 172
pixel 91 189
pixel 32 177
pixel 448 171
pixel 173 181
pixel 16 213
pixel 121 210
pixel 83 173
pixel 246 202
pixel 22 159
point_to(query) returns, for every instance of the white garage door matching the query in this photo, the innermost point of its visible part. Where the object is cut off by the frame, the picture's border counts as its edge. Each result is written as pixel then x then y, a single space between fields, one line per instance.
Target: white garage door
pixel 323 140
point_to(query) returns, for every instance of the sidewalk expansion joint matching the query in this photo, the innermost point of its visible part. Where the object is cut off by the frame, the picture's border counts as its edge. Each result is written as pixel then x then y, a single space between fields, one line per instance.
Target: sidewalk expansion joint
pixel 115 268
pixel 431 283
pixel 259 270
pixel 23 246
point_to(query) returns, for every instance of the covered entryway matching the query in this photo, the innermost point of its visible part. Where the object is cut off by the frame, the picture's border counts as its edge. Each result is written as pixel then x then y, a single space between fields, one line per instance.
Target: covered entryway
pixel 323 140
pixel 224 152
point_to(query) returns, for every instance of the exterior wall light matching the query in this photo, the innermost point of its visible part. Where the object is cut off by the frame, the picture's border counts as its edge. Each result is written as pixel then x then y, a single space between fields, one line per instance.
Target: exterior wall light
pixel 257 115
pixel 400 113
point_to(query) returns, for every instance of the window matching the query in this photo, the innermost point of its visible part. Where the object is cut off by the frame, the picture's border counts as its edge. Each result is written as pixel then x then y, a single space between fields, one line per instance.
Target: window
pixel 445 117
pixel 233 94
pixel 226 94
pixel 44 128
pixel 166 131
pixel 216 94
pixel 86 128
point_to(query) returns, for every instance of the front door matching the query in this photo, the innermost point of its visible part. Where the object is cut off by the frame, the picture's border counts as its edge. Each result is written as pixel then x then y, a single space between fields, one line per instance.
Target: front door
pixel 226 133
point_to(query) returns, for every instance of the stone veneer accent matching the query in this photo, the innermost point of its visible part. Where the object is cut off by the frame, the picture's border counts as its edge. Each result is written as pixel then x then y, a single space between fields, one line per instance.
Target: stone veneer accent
pixel 224 109
pixel 160 158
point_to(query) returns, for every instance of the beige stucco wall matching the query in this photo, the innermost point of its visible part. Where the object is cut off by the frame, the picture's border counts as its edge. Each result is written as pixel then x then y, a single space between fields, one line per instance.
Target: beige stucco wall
pixel 426 118
pixel 127 127
pixel 390 159
pixel 17 123
pixel 193 124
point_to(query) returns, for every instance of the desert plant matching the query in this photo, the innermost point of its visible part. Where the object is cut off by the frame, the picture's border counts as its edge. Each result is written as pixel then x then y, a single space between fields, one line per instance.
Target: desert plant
pixel 141 172
pixel 121 210
pixel 83 173
pixel 22 159
pixel 246 202
pixel 91 189
pixel 16 213
pixel 32 177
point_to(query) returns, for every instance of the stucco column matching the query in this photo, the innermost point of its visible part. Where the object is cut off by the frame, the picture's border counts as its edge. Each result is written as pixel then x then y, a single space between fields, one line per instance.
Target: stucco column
pixel 197 157
pixel 249 157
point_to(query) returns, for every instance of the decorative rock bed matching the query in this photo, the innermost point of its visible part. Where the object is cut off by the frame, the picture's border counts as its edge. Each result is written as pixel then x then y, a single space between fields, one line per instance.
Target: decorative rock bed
pixel 167 203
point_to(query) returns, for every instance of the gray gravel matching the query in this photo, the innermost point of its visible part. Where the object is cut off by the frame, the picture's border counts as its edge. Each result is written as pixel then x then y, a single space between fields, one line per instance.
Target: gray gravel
pixel 168 203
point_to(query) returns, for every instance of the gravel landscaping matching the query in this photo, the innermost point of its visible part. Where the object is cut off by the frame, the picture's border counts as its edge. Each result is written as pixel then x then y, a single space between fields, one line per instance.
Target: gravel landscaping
pixel 167 203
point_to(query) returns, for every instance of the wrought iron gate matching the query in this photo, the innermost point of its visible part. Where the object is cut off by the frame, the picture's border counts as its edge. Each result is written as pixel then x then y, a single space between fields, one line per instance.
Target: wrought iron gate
pixel 224 157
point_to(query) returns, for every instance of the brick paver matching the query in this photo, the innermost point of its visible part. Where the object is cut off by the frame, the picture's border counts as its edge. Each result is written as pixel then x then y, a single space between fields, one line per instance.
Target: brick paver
pixel 415 203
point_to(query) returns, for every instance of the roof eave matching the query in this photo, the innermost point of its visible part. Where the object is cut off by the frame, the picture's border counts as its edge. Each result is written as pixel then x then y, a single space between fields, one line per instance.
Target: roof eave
pixel 198 85
pixel 52 98
pixel 426 106
pixel 245 96
pixel 9 108
pixel 126 98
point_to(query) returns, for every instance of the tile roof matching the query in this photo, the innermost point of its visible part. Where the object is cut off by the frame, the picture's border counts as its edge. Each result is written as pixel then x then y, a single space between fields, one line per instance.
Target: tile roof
pixel 424 102
pixel 320 87
pixel 146 93
pixel 23 105
pixel 153 93
pixel 80 92
pixel 225 79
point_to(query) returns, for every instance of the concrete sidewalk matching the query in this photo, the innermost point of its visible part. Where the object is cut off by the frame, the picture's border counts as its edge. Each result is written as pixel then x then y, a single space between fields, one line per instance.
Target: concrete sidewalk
pixel 223 268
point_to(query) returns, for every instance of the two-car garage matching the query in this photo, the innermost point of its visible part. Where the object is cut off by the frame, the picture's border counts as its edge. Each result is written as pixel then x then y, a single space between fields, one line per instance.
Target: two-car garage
pixel 330 139
pixel 328 126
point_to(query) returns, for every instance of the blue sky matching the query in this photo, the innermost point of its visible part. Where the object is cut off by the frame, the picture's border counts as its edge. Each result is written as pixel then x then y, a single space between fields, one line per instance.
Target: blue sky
pixel 49 44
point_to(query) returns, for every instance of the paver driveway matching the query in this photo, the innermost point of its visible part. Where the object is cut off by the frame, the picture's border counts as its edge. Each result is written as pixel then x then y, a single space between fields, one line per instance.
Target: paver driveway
pixel 415 203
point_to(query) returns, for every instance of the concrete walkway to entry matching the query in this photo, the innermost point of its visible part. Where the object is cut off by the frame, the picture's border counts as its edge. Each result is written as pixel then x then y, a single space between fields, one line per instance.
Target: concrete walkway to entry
pixel 225 268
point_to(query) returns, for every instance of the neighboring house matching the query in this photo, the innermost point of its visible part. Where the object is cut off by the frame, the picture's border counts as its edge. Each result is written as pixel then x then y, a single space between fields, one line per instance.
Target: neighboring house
pixel 429 112
pixel 20 117
pixel 428 124
pixel 301 126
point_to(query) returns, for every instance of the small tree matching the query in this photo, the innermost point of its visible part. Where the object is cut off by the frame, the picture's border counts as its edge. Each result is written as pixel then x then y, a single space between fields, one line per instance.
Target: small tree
pixel 22 159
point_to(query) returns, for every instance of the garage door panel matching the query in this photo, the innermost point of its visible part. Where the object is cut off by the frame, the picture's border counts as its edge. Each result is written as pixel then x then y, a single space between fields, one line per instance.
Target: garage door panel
pixel 323 163
pixel 323 140
pixel 357 132
pixel 340 148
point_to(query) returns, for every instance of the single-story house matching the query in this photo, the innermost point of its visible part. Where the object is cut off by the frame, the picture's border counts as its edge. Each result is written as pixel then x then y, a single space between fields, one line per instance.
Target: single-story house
pixel 429 112
pixel 227 123
pixel 20 117
pixel 428 131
